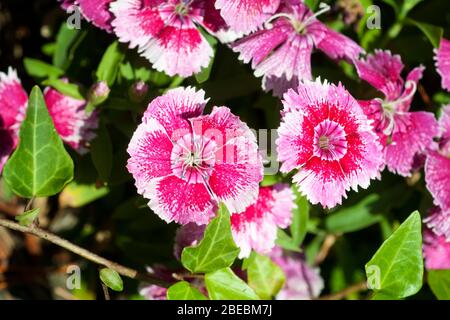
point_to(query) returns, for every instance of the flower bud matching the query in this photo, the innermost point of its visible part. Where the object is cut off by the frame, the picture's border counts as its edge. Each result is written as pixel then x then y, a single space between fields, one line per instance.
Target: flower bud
pixel 98 93
pixel 138 91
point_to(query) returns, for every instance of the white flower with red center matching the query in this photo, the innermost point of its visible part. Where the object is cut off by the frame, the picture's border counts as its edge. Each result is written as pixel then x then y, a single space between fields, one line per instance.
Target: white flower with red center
pixel 281 51
pixel 185 162
pixel 245 16
pixel 403 134
pixel 166 32
pixel 256 227
pixel 326 136
pixel 443 62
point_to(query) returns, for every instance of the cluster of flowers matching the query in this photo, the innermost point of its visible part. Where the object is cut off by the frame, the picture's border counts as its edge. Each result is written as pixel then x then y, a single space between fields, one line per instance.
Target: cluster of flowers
pixel 185 162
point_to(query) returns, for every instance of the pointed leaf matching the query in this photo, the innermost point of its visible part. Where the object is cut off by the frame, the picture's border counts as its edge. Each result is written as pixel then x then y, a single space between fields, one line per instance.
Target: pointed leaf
pixel 110 64
pixel 223 284
pixel 40 166
pixel 300 218
pixel 439 282
pixel 217 250
pixel 183 291
pixel 264 277
pixel 396 269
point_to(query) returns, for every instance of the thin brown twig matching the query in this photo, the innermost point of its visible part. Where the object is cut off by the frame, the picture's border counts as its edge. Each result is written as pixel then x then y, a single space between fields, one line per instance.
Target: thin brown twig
pixel 124 271
pixel 357 287
pixel 105 292
pixel 327 244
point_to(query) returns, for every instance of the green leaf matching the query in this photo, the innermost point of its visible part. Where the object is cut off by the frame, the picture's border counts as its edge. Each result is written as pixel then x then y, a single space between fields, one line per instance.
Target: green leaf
pixel 217 250
pixel 433 33
pixel 40 166
pixel 111 279
pixel 102 153
pixel 439 282
pixel 27 218
pixel 264 277
pixel 223 284
pixel 286 242
pixel 67 40
pixel 396 269
pixel 300 218
pixel 204 74
pixel 183 291
pixel 77 195
pixel 354 218
pixel 66 88
pixel 41 69
pixel 110 64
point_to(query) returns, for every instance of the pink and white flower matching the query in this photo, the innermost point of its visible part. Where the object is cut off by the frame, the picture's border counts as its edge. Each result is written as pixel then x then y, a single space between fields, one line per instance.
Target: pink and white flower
pixel 13 104
pixel 436 251
pixel 95 11
pixel 153 292
pixel 256 228
pixel 185 162
pixel 326 136
pixel 403 134
pixel 166 32
pixel 75 126
pixel 437 177
pixel 245 16
pixel 439 222
pixel 281 51
pixel 443 62
pixel 302 281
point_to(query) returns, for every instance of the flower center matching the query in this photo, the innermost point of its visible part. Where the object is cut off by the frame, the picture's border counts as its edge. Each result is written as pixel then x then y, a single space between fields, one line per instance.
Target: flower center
pixel 329 141
pixel 299 26
pixel 182 8
pixel 193 158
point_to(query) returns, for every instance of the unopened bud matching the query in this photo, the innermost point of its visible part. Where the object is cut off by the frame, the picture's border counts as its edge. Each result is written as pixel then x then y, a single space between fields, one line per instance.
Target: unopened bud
pixel 98 93
pixel 138 91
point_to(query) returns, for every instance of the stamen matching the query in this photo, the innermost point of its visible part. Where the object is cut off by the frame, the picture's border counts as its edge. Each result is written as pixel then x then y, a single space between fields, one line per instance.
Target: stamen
pixel 323 8
pixel 268 24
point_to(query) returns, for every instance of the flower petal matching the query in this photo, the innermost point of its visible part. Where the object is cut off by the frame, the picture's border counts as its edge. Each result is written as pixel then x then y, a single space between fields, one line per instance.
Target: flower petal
pixel 13 101
pixel 97 12
pixel 382 70
pixel 174 199
pixel 413 134
pixel 149 149
pixel 246 15
pixel 437 177
pixel 256 227
pixel 238 166
pixel 443 62
pixel 338 46
pixel 74 125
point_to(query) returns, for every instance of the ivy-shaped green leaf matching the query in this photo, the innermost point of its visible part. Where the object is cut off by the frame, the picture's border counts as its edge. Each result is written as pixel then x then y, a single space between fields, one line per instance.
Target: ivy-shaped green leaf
pixel 40 166
pixel 439 282
pixel 264 276
pixel 396 269
pixel 217 250
pixel 223 284
pixel 184 291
